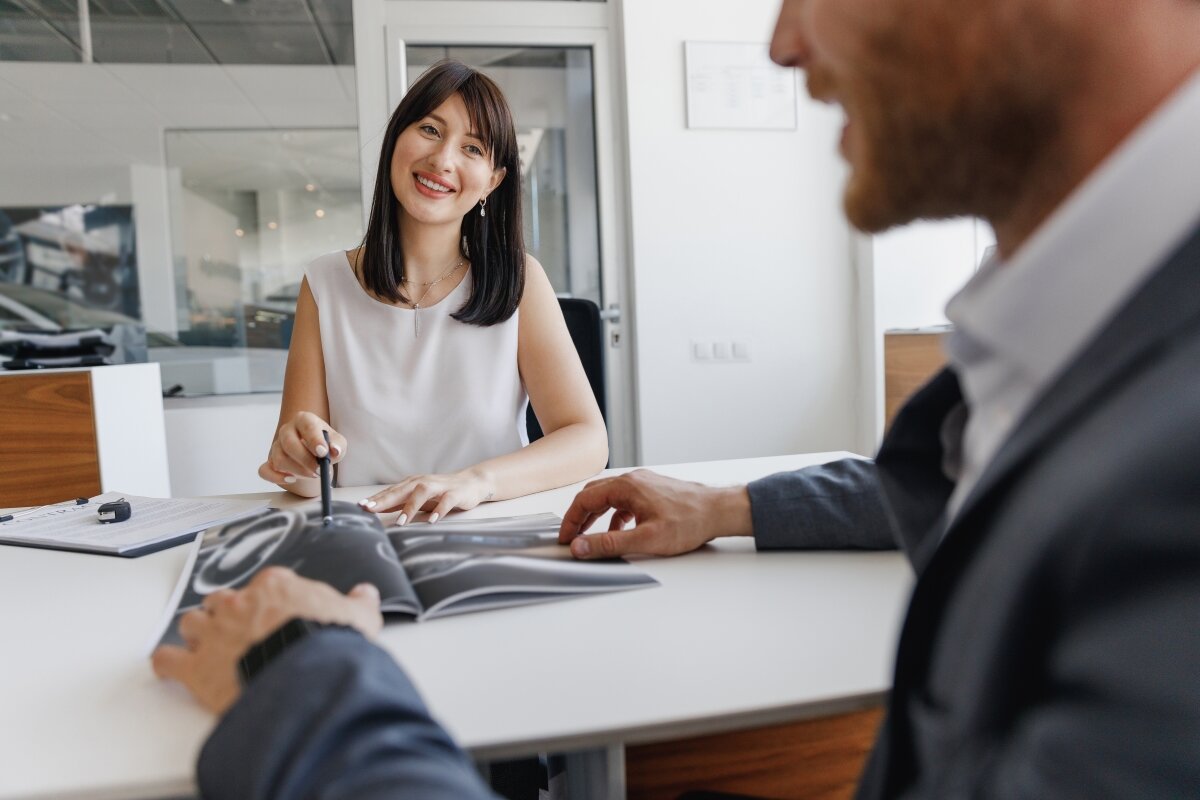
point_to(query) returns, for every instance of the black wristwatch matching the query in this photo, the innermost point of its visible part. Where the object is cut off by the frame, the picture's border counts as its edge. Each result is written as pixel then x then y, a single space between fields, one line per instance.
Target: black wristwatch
pixel 259 655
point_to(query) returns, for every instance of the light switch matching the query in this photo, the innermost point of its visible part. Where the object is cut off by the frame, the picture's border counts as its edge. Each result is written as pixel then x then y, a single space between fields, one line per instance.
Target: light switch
pixel 721 351
pixel 741 351
pixel 702 351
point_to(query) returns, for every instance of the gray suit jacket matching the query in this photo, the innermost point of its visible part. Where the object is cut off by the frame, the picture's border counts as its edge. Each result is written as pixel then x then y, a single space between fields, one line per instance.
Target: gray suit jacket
pixel 1052 644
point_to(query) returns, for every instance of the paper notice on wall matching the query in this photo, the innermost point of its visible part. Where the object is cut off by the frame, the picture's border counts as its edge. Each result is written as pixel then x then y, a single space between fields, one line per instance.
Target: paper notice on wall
pixel 734 85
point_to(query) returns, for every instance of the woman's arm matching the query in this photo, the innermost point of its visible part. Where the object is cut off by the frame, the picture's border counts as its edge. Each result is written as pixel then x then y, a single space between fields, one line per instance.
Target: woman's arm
pixel 575 444
pixel 304 412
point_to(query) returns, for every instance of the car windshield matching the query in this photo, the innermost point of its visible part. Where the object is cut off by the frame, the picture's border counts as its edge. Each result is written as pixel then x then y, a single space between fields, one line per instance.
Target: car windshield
pixel 63 312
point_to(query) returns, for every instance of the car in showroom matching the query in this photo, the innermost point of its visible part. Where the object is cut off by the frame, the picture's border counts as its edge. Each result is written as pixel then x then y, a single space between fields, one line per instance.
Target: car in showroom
pixel 186 369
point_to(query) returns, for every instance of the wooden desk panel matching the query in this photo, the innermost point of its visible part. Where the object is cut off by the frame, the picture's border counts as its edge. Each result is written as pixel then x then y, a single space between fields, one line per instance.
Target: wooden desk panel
pixel 48 447
pixel 909 361
pixel 818 759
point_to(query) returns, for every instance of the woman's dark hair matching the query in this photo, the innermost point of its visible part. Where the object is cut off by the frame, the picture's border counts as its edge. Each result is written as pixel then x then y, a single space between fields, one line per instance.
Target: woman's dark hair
pixel 494 243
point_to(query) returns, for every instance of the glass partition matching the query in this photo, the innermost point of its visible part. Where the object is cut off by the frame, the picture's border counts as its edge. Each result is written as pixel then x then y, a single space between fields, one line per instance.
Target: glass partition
pixel 175 164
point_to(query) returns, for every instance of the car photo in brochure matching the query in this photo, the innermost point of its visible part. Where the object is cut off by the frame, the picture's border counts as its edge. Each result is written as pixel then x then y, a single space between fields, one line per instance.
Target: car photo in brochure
pixel 422 571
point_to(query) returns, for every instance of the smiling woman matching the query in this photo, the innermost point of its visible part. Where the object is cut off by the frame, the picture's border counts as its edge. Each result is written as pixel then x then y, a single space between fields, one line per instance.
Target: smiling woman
pixel 419 351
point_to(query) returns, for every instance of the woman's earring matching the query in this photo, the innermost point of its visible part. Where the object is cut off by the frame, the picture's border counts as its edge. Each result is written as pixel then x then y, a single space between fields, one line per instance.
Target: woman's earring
pixel 483 206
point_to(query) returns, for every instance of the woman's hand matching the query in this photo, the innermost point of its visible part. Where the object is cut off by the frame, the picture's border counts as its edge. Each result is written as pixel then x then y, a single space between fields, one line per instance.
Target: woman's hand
pixel 298 444
pixel 437 494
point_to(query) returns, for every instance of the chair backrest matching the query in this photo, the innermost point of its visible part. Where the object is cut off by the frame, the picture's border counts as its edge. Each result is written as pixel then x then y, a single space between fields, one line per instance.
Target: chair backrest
pixel 587 332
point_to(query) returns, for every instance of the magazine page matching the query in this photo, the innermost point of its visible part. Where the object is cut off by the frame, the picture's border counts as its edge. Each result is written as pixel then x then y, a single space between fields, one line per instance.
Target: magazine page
pixel 352 549
pixel 470 565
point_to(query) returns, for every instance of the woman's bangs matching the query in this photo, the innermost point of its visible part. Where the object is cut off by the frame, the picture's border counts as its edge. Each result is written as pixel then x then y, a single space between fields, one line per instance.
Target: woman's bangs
pixel 487 118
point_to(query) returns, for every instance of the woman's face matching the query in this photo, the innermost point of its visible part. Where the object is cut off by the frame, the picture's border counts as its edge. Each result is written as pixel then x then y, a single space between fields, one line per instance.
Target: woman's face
pixel 440 167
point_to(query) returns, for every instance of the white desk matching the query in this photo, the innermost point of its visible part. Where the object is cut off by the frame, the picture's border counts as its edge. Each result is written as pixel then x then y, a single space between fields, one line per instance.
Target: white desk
pixel 732 638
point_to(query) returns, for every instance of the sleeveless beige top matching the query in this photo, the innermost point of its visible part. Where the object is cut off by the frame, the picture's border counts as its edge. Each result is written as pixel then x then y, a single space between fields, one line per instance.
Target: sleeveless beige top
pixel 438 402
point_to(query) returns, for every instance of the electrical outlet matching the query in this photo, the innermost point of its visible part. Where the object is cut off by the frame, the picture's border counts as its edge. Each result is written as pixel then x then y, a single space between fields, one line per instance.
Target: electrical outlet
pixel 720 350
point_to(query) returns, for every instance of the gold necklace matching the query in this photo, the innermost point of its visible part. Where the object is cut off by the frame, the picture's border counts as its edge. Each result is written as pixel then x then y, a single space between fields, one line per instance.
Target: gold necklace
pixel 416 305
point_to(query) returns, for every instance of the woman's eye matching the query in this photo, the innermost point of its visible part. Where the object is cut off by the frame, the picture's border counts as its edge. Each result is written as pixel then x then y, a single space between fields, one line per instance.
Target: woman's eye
pixel 474 150
pixel 429 129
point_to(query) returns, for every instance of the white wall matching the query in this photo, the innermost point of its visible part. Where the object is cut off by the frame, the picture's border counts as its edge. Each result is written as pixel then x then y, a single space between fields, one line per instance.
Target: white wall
pixel 215 444
pixel 737 235
pixel 211 251
pixel 37 186
pixel 918 268
pixel 305 236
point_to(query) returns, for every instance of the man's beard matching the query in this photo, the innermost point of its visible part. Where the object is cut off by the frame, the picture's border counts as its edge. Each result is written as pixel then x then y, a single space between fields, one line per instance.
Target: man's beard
pixel 942 135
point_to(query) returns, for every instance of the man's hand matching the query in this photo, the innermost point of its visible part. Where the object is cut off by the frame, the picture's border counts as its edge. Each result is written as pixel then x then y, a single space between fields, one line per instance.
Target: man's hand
pixel 232 621
pixel 670 516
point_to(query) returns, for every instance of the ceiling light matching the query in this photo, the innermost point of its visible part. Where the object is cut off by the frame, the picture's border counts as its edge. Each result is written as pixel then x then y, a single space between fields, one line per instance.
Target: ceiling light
pixel 320 212
pixel 238 232
pixel 308 187
pixel 272 224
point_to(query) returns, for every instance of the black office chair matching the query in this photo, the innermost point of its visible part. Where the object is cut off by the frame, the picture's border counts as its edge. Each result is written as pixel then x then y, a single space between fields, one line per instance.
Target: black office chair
pixel 587 332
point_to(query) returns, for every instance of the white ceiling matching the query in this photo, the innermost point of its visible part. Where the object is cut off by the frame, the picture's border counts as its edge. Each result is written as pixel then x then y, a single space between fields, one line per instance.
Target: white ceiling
pixel 266 160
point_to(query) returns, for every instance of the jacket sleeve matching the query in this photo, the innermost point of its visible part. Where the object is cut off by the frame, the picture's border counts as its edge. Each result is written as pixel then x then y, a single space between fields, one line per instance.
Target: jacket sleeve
pixel 838 505
pixel 334 716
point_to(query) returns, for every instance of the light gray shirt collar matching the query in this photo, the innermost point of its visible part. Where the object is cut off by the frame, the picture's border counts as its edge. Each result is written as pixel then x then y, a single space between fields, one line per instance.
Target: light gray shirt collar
pixel 1019 324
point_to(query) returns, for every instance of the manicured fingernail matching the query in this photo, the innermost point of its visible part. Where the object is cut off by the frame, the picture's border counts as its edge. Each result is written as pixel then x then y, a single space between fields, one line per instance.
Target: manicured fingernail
pixel 321 451
pixel 289 479
pixel 367 503
pixel 337 451
pixel 433 518
pixel 403 518
pixel 581 547
pixel 366 588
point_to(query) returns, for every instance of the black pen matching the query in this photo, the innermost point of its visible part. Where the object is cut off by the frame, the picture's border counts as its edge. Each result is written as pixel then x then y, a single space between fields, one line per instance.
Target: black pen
pixel 326 484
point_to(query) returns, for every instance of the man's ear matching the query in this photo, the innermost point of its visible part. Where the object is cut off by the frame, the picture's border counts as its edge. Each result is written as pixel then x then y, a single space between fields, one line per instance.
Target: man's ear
pixel 497 179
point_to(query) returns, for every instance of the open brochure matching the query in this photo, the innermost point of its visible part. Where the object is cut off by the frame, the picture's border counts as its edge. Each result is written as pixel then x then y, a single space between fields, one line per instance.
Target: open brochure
pixel 422 571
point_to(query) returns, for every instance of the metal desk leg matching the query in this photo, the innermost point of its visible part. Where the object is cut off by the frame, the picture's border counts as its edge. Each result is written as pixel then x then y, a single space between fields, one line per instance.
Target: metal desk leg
pixel 596 774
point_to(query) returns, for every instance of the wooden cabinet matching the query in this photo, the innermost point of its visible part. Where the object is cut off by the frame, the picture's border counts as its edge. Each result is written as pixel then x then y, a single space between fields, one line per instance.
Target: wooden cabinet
pixel 77 433
pixel 818 759
pixel 910 359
